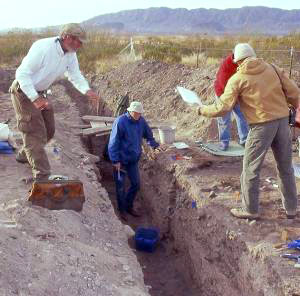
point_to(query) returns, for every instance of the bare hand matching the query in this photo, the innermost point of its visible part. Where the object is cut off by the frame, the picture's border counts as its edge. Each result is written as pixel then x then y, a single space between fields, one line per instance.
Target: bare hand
pixel 92 95
pixel 117 166
pixel 161 147
pixel 95 99
pixel 41 103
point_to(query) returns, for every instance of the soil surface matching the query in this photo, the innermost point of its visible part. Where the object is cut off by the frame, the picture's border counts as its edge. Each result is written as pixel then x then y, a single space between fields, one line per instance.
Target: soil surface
pixel 203 250
pixel 62 252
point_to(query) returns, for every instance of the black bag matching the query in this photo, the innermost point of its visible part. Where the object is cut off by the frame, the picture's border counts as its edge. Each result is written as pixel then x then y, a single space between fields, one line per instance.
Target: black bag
pixel 121 109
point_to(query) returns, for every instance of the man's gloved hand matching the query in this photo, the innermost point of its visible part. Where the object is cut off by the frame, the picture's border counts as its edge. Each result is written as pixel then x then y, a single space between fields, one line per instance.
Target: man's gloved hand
pixel 41 103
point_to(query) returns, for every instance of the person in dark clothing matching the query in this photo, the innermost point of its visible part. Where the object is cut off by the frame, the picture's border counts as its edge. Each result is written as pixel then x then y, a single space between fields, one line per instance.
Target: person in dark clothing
pixel 124 149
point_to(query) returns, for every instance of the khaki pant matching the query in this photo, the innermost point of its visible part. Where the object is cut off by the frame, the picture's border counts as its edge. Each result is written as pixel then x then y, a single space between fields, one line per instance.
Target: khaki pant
pixel 277 135
pixel 37 128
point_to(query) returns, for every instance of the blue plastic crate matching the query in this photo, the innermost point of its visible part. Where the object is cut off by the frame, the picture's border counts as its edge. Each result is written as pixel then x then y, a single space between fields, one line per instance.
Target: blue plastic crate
pixel 146 239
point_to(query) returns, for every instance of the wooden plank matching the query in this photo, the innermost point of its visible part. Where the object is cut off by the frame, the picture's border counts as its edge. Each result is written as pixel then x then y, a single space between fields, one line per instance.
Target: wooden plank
pixel 80 126
pixel 89 118
pixel 103 134
pixel 95 130
pixel 153 126
pixel 99 124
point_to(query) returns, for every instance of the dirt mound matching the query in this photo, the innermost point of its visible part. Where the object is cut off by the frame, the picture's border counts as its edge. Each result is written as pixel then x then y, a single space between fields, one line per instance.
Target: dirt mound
pixel 154 84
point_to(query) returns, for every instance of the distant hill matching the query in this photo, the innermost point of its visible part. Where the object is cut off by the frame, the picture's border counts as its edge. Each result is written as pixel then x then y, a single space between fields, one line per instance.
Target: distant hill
pixel 165 20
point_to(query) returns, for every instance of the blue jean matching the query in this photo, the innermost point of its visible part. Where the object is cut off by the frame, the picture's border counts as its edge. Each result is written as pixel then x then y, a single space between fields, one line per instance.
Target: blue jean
pixel 125 199
pixel 224 126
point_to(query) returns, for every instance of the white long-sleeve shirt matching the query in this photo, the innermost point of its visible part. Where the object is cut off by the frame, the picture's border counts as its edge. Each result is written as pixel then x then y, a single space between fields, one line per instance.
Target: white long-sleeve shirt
pixel 44 63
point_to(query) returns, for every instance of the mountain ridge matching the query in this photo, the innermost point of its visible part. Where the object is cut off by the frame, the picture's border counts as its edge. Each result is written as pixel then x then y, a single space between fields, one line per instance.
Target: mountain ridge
pixel 164 20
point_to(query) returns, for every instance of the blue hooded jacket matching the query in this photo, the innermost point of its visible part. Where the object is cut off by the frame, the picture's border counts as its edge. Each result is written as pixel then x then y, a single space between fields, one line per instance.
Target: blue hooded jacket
pixel 125 142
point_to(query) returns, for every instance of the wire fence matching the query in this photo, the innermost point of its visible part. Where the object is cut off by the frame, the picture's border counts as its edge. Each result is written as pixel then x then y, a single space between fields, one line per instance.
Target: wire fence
pixel 287 58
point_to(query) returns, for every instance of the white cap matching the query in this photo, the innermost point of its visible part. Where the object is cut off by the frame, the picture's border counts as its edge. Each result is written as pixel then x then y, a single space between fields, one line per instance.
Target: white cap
pixel 242 51
pixel 136 107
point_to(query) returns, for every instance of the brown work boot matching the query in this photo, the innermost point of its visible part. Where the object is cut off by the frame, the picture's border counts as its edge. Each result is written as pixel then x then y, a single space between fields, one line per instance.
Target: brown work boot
pixel 243 214
pixel 123 216
pixel 21 157
pixel 133 213
pixel 27 180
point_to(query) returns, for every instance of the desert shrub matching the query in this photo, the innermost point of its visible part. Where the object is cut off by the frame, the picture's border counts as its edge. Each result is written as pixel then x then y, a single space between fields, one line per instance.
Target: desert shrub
pixel 14 46
pixel 101 52
pixel 165 53
pixel 100 47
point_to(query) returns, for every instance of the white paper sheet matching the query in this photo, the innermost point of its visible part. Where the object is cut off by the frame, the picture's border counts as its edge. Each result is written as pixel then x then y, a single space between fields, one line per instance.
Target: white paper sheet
pixel 180 145
pixel 189 96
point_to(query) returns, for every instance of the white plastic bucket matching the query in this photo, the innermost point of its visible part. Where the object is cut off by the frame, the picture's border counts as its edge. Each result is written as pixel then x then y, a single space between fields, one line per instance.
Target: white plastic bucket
pixel 166 134
pixel 4 132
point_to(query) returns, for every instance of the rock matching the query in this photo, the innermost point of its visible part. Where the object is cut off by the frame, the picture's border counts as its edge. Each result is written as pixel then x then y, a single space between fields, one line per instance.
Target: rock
pixel 205 189
pixel 212 195
pixel 128 231
pixel 126 267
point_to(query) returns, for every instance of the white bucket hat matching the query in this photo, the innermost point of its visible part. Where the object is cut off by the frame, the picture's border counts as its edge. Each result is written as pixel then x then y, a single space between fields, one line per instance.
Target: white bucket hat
pixel 242 51
pixel 136 107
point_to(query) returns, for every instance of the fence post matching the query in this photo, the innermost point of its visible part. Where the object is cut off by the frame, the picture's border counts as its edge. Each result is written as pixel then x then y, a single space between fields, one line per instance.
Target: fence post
pixel 291 61
pixel 198 53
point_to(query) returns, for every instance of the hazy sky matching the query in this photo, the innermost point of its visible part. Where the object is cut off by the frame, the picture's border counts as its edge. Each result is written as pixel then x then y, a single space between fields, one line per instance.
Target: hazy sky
pixel 37 13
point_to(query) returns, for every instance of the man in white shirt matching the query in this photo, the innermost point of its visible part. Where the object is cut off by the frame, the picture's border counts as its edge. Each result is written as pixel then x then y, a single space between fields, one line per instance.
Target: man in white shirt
pixel 46 60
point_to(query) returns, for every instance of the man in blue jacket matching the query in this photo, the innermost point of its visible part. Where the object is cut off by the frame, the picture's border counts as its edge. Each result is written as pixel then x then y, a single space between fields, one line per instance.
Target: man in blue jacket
pixel 124 149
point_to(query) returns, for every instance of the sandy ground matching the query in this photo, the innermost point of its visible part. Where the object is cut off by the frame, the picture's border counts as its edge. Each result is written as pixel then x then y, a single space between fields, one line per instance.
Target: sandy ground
pixel 62 252
pixel 88 253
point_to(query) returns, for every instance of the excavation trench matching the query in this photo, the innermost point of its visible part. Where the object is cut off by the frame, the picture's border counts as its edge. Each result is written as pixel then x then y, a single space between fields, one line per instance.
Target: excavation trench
pixel 203 250
pixel 199 252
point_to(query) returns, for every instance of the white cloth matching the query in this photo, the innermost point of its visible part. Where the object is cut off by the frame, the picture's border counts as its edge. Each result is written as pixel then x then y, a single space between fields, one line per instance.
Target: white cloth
pixel 44 63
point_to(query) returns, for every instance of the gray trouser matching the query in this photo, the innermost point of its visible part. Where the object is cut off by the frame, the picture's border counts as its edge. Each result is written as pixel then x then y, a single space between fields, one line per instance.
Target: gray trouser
pixel 37 128
pixel 277 135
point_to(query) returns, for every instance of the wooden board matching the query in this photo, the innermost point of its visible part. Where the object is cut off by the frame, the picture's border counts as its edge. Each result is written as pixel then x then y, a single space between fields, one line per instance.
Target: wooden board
pixel 95 130
pixel 100 124
pixel 80 126
pixel 89 118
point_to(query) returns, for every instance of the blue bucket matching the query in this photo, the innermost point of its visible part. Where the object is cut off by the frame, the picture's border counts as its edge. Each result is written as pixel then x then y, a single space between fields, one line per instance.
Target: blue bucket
pixel 146 239
pixel 5 148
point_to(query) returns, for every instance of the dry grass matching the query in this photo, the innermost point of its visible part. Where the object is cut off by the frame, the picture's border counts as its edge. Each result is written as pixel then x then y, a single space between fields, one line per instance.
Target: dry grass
pixel 200 60
pixel 101 52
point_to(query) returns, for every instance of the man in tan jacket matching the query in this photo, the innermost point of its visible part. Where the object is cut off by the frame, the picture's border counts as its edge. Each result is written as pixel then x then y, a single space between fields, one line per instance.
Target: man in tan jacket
pixel 264 96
